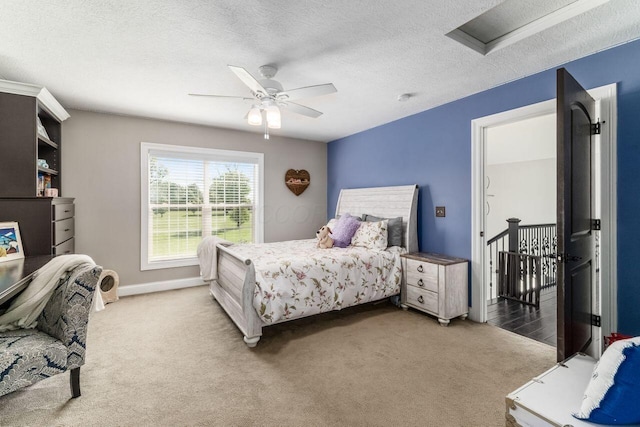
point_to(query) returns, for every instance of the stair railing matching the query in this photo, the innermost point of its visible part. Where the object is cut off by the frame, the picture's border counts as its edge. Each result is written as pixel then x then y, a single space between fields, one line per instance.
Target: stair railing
pixel 519 277
pixel 528 258
pixel 495 245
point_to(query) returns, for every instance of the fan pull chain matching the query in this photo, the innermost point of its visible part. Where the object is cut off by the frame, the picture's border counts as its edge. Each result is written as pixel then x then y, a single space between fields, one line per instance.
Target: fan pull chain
pixel 266 130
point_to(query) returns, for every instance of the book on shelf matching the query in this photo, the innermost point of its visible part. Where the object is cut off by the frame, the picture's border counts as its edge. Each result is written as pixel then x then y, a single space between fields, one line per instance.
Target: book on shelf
pixel 44 182
pixel 40 185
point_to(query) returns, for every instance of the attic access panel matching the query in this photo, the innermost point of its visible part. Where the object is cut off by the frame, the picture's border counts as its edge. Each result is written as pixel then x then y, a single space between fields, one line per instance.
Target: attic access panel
pixel 515 20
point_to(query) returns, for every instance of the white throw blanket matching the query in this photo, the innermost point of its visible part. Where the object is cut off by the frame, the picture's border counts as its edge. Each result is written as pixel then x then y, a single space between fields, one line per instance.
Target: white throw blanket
pixel 208 256
pixel 25 309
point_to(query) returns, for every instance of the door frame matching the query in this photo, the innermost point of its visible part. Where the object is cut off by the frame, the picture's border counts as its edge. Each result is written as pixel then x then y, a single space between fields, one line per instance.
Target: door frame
pixel 606 111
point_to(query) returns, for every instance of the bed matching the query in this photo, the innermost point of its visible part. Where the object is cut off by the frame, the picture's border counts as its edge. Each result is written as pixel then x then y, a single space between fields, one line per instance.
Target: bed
pixel 263 284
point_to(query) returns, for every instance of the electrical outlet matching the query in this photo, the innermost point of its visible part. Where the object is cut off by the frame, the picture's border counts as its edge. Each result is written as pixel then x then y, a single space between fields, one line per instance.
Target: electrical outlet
pixel 440 211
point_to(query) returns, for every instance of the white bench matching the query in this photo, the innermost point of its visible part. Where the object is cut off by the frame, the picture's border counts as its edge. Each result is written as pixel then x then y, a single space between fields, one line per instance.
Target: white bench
pixel 549 399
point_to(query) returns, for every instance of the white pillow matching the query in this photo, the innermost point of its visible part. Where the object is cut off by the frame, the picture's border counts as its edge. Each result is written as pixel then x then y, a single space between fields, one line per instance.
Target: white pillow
pixel 332 223
pixel 371 235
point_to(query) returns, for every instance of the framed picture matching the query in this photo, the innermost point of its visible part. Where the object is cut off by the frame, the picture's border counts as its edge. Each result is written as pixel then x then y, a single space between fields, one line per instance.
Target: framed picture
pixel 10 242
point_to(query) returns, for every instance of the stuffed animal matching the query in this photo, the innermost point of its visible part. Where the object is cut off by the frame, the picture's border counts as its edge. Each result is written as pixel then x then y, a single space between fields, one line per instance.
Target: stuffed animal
pixel 324 240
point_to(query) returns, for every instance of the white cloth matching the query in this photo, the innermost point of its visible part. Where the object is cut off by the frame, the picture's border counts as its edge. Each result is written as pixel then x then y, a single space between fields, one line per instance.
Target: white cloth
pixel 208 256
pixel 98 303
pixel 25 309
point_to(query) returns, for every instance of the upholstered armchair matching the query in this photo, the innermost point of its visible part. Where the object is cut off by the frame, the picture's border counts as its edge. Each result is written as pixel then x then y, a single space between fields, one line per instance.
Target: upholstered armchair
pixel 58 343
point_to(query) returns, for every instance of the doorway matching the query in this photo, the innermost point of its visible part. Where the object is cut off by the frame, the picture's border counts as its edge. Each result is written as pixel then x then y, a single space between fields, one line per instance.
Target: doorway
pixel 605 300
pixel 520 185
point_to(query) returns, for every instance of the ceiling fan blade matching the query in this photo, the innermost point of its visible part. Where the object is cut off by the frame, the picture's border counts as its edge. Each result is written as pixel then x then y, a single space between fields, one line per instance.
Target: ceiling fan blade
pixel 301 109
pixel 221 96
pixel 249 80
pixel 307 91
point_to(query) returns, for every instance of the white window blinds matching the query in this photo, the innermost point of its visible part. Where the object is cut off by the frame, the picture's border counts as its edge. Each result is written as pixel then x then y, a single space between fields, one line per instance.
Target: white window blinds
pixel 192 193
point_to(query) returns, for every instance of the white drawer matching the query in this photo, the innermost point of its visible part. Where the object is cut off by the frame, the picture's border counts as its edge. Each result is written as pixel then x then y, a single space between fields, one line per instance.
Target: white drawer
pixel 422 299
pixel 63 211
pixel 63 230
pixel 64 248
pixel 422 275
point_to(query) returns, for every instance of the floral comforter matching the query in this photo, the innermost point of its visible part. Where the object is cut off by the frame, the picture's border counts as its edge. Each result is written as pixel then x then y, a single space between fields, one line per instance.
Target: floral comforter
pixel 296 279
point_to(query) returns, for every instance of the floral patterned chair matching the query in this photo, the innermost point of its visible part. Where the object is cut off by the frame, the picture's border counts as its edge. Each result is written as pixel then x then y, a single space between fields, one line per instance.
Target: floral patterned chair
pixel 58 343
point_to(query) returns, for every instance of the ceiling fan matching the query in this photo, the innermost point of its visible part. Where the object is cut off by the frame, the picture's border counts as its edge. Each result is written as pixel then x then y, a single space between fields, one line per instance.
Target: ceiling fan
pixel 270 97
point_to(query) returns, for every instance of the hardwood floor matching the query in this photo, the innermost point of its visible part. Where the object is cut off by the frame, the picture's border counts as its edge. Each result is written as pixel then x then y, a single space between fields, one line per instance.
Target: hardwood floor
pixel 538 324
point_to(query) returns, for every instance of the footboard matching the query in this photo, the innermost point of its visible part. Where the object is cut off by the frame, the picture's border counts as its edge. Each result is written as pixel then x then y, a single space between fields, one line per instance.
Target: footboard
pixel 234 291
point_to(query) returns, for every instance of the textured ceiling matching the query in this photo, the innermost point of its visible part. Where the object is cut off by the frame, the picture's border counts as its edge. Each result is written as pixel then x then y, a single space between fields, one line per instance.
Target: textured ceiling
pixel 142 57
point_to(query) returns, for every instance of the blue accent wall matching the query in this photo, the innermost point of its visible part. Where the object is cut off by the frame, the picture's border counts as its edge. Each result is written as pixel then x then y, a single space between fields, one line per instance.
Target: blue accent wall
pixel 433 149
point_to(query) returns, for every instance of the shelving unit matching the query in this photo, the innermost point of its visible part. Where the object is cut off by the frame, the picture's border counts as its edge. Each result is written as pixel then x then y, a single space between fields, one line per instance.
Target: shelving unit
pixel 47 224
pixel 21 105
pixel 48 148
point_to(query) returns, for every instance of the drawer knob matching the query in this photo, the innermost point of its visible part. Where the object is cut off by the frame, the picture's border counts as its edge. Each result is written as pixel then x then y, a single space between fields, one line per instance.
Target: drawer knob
pixel 67 229
pixel 420 283
pixel 420 269
pixel 67 211
pixel 420 299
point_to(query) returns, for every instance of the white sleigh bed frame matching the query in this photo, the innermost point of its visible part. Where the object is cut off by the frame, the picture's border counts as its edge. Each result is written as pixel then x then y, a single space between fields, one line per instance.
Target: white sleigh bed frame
pixel 234 288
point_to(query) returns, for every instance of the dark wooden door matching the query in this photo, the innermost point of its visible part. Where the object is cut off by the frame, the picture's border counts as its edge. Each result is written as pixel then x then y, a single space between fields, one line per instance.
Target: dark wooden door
pixel 576 240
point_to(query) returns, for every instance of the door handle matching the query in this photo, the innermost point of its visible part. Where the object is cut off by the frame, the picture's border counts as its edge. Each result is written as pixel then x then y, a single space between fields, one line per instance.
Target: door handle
pixel 565 258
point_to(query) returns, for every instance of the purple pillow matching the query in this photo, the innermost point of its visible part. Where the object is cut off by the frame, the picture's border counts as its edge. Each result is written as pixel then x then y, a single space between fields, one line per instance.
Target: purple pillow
pixel 344 230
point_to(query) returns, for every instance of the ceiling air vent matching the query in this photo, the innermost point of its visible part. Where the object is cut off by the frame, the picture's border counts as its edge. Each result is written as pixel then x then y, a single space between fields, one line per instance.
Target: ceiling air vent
pixel 515 20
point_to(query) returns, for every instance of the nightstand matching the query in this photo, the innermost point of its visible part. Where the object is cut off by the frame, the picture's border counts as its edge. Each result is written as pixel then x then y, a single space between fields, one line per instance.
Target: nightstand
pixel 435 284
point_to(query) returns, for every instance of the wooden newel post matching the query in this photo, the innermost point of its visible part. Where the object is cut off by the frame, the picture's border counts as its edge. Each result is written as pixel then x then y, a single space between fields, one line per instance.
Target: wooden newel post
pixel 513 268
pixel 513 235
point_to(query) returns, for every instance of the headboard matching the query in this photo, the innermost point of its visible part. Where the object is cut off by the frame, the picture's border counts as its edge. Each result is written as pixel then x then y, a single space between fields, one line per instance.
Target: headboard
pixel 385 202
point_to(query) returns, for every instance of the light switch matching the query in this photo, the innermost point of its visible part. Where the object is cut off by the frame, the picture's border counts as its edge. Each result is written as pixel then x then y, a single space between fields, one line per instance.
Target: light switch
pixel 440 211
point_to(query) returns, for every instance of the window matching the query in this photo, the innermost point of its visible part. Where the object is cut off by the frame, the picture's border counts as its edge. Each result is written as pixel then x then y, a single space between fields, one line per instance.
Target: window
pixel 189 193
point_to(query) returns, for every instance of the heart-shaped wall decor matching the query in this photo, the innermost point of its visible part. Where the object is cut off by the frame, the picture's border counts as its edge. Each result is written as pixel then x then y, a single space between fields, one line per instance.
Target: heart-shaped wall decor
pixel 297 180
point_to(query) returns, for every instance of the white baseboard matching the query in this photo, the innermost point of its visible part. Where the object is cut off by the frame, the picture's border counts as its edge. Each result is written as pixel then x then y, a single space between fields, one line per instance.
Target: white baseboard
pixel 165 285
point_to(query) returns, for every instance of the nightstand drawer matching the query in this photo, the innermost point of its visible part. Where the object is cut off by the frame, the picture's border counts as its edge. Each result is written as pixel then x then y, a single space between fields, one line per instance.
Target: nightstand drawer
pixel 422 299
pixel 422 275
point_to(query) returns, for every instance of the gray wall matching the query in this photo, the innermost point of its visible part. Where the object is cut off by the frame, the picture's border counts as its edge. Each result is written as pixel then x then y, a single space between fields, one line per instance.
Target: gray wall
pixel 101 169
pixel 525 190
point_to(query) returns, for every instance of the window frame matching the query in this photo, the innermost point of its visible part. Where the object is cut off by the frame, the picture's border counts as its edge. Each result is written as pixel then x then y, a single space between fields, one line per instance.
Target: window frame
pixel 222 155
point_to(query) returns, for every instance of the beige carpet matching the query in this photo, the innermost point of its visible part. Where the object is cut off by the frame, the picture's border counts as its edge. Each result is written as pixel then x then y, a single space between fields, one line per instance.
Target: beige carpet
pixel 174 358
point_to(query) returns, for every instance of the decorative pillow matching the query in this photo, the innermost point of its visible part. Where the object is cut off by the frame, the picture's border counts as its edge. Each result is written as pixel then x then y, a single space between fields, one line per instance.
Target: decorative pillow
pixel 394 228
pixel 371 235
pixel 613 393
pixel 344 230
pixel 332 221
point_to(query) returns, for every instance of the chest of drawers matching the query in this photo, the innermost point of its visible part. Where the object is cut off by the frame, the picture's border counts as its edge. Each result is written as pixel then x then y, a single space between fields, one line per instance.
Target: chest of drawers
pixel 435 284
pixel 63 226
pixel 47 225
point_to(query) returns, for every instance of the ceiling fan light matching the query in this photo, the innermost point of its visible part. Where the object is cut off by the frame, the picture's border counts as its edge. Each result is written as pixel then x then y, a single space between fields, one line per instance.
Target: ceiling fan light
pixel 274 124
pixel 255 116
pixel 273 113
pixel 273 117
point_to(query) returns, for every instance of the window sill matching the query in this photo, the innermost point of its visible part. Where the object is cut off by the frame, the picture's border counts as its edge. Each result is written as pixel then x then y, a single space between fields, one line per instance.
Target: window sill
pixel 157 265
